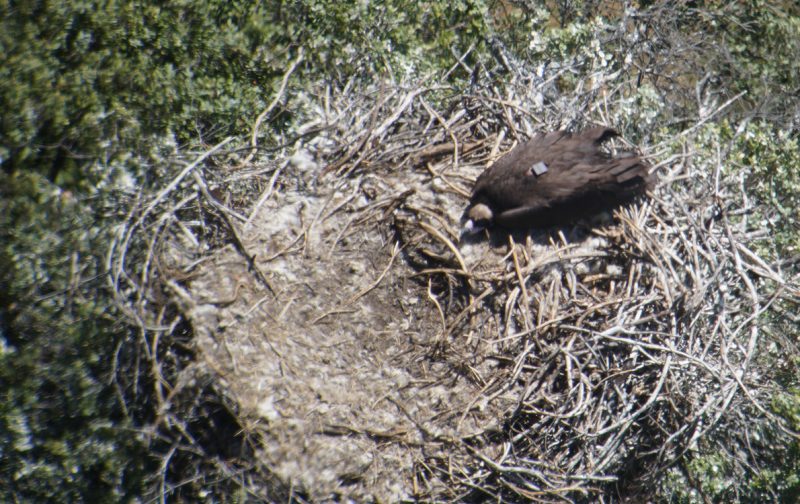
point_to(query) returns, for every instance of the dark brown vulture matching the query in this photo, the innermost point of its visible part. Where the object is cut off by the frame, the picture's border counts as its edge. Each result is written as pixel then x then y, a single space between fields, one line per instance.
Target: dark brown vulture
pixel 553 179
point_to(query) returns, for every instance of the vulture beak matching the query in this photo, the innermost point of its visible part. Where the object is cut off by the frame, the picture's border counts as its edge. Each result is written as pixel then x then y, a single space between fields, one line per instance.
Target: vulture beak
pixel 470 228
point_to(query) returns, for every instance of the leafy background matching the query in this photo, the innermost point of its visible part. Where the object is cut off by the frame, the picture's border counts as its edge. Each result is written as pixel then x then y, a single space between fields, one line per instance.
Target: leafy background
pixel 100 98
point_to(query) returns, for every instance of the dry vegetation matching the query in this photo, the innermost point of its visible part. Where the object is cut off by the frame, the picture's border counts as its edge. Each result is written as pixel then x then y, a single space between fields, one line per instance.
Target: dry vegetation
pixel 370 354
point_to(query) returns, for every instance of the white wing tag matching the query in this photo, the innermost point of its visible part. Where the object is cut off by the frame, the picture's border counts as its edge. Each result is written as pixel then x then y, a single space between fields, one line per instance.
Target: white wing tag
pixel 539 168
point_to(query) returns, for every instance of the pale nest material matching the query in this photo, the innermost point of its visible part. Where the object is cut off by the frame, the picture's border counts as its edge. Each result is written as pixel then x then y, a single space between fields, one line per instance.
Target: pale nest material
pixel 374 357
pixel 331 368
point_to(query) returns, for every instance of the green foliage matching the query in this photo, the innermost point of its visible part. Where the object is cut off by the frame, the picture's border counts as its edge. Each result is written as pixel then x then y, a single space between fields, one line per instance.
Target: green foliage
pixel 564 41
pixel 713 477
pixel 400 35
pixel 782 477
pixel 763 464
pixel 711 481
pixel 64 438
pixel 771 159
pixel 717 475
pixel 84 80
pixel 762 43
pixel 768 158
pixel 93 91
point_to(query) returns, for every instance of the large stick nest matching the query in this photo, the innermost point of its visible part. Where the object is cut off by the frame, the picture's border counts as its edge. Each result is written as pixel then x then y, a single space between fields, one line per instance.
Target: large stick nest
pixel 373 356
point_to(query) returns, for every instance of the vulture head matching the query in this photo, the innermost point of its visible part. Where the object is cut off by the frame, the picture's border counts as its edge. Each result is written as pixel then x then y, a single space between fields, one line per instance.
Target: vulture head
pixel 553 179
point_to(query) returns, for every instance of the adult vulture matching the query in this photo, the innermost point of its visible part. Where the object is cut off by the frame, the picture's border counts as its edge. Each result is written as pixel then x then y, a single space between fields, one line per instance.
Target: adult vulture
pixel 553 179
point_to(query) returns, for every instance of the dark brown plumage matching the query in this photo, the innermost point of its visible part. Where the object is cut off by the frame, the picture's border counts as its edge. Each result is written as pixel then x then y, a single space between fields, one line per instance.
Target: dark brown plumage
pixel 555 178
